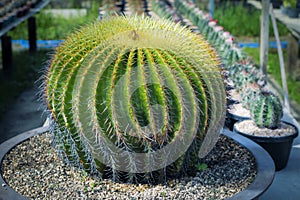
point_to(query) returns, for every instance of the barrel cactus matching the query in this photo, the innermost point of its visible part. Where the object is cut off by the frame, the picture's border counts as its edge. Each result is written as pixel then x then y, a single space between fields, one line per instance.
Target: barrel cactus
pixel 135 98
pixel 266 110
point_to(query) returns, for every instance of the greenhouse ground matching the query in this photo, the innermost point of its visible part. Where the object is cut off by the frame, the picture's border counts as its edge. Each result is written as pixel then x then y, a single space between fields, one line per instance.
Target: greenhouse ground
pixel 26 114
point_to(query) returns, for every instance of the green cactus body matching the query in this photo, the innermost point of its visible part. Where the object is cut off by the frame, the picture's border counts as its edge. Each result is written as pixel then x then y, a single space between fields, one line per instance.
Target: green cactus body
pixel 248 94
pixel 266 110
pixel 135 97
pixel 247 74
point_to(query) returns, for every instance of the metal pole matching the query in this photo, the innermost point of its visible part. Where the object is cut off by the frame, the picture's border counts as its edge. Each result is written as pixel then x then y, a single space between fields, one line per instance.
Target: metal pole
pixel 211 7
pixel 7 56
pixel 281 61
pixel 32 34
pixel 264 36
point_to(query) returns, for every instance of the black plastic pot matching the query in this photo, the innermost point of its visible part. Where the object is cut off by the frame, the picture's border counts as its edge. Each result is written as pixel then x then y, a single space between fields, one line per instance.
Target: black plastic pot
pixel 232 118
pixel 279 148
pixel 276 3
pixel 293 12
pixel 264 165
pixel 284 10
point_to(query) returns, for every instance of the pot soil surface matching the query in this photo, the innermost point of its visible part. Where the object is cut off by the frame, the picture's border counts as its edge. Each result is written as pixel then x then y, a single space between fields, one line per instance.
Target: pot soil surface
pixel 35 170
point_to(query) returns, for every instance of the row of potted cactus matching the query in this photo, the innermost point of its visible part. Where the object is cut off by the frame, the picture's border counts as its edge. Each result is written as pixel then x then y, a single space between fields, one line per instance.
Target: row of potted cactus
pixel 247 81
pixel 127 7
pixel 136 6
pixel 160 9
pixel 110 7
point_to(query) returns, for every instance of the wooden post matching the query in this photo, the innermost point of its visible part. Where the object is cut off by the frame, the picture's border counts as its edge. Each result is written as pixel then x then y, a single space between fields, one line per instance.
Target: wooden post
pixel 264 36
pixel 32 34
pixel 292 55
pixel 211 7
pixel 281 61
pixel 6 56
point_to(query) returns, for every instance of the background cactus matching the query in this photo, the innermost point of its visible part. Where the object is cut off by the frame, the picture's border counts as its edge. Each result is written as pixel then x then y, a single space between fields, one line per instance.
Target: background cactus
pixel 244 74
pixel 266 110
pixel 247 96
pixel 136 99
pixel 222 41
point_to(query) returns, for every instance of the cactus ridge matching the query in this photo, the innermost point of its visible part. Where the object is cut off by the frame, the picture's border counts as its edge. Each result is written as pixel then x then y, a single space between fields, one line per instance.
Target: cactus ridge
pixel 135 97
pixel 195 81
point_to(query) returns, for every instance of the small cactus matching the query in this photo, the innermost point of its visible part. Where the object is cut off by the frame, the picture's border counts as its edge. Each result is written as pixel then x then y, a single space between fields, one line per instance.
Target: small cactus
pixel 135 98
pixel 248 94
pixel 266 110
pixel 232 54
pixel 243 74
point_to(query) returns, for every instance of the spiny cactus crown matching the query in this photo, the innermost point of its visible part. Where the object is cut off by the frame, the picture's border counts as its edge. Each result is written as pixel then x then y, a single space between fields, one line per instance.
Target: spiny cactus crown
pixel 135 98
pixel 266 110
pixel 243 74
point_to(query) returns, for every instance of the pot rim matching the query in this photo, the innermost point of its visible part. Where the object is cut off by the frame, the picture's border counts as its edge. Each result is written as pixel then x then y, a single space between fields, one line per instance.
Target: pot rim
pixel 270 138
pixel 265 168
pixel 264 165
pixel 6 192
pixel 237 117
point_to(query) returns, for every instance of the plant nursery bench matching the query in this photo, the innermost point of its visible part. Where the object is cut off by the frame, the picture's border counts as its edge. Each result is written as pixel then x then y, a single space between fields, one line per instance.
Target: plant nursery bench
pixel 11 15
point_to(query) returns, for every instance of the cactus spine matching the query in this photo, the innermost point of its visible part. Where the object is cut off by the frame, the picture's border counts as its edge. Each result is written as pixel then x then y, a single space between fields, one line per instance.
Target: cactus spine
pixel 266 110
pixel 135 98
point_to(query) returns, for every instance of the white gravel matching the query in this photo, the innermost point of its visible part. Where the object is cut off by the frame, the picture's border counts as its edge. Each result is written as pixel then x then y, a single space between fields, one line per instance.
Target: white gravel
pixel 34 169
pixel 249 127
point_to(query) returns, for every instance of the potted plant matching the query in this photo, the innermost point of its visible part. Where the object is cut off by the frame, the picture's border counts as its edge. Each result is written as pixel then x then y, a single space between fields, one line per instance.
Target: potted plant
pixel 265 169
pixel 284 8
pixel 268 129
pixel 141 93
pixel 131 101
pixel 238 110
pixel 245 86
pixel 291 6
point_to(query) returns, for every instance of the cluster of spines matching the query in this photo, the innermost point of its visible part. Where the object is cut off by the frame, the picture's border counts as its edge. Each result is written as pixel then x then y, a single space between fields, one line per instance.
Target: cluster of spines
pixel 266 110
pixel 160 8
pixel 181 77
pixel 244 74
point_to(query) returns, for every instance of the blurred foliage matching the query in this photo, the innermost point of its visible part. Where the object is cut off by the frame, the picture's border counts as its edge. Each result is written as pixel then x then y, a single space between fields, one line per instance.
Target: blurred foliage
pixel 51 27
pixel 243 20
pixel 27 67
pixel 274 71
